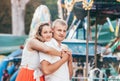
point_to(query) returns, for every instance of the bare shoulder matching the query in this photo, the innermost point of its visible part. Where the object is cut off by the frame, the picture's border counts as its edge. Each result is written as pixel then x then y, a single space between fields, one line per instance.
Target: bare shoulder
pixel 35 44
pixel 33 41
pixel 28 44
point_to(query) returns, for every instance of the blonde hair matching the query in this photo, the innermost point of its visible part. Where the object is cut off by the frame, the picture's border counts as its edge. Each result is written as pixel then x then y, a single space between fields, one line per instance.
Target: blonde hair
pixel 61 21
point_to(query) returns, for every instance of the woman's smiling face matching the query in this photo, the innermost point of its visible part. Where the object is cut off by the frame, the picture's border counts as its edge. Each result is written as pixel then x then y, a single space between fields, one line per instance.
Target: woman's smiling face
pixel 46 33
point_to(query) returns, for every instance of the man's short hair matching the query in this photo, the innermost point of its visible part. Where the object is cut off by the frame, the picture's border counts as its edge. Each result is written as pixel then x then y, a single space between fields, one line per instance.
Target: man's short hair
pixel 61 21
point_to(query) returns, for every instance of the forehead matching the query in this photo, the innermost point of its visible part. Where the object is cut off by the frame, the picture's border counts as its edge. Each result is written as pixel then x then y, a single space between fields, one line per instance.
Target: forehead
pixel 60 26
pixel 46 28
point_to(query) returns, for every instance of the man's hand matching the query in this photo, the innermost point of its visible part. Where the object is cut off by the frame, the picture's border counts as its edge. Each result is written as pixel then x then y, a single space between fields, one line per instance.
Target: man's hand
pixel 65 56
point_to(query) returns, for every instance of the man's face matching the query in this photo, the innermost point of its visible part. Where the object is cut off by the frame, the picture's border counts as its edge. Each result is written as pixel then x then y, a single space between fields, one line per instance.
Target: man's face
pixel 59 32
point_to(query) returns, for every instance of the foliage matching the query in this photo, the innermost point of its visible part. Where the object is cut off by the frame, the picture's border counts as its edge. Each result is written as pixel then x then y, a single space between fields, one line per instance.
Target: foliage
pixel 5 13
pixel 5 16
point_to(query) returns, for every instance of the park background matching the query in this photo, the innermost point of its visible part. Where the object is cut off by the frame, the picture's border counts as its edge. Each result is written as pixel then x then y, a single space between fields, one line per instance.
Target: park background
pixel 6 25
pixel 5 13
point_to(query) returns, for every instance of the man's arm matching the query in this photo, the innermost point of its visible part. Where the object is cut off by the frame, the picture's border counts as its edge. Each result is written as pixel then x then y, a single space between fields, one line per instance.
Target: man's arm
pixel 70 66
pixel 48 68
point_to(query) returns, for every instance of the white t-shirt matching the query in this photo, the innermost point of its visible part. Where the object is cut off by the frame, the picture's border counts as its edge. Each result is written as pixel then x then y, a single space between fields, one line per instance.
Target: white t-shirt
pixel 62 74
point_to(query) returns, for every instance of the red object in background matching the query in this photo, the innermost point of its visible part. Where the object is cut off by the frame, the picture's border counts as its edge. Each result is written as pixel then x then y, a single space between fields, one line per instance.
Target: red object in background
pixel 21 47
pixel 118 48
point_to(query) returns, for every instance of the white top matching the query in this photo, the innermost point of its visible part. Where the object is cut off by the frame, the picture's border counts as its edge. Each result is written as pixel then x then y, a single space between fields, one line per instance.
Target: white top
pixel 62 74
pixel 30 60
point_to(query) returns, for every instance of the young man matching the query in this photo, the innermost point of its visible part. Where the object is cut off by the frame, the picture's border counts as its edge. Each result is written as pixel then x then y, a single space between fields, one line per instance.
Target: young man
pixel 52 70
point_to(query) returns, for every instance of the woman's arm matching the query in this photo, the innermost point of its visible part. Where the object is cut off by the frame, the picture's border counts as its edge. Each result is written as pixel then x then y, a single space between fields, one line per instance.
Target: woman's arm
pixel 35 44
pixel 48 68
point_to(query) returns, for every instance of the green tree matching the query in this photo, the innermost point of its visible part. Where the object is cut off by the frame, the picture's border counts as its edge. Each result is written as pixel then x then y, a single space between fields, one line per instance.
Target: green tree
pixel 5 16
pixel 5 13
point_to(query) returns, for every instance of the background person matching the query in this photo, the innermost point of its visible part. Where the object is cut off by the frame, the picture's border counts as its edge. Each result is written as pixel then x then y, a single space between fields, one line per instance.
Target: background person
pixel 5 76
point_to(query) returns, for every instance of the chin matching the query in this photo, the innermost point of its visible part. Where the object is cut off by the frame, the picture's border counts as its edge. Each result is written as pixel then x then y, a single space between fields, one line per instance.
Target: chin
pixel 47 40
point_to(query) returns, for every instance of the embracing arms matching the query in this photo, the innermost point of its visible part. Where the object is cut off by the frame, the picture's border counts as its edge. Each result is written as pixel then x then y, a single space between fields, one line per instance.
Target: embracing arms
pixel 35 44
pixel 48 68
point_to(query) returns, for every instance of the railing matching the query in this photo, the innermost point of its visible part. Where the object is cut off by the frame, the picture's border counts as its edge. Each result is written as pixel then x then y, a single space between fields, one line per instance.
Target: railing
pixel 94 79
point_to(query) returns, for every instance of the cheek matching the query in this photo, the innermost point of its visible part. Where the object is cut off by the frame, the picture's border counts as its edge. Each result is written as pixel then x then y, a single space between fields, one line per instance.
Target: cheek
pixel 51 35
pixel 43 35
pixel 65 34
